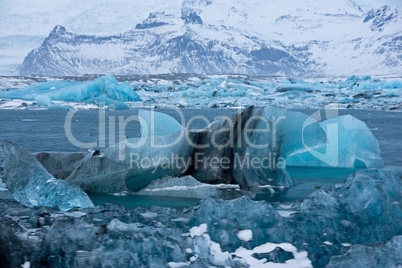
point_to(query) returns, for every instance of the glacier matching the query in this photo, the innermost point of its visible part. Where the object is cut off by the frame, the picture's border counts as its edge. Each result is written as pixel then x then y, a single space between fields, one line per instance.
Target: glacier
pixel 104 90
pixel 31 185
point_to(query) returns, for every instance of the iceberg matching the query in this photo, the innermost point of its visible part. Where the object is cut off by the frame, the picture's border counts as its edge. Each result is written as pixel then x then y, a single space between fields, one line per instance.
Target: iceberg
pixel 134 163
pixel 355 146
pixel 103 90
pixel 31 185
pixel 276 133
pixel 224 133
pixel 157 124
pixel 249 149
pixel 224 152
pixel 199 92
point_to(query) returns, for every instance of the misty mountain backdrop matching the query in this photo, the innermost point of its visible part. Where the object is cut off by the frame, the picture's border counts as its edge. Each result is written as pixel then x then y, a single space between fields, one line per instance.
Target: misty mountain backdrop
pixel 303 38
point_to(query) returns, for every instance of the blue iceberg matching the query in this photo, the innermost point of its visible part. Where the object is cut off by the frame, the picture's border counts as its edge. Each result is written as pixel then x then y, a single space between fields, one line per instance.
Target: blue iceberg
pixel 104 90
pixel 31 185
pixel 351 145
pixel 157 124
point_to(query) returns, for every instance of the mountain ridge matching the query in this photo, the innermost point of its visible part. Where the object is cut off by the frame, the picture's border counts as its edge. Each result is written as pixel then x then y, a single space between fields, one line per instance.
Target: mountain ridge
pixel 193 43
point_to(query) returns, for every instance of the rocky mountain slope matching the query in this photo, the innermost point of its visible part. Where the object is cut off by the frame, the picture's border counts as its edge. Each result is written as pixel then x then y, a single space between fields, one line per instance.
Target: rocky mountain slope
pixel 217 37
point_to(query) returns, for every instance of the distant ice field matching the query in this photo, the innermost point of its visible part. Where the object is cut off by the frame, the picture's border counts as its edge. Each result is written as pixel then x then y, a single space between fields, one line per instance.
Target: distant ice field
pixel 189 91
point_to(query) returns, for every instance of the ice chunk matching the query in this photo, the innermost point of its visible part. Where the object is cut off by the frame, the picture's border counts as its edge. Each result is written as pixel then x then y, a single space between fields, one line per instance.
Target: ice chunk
pixel 354 146
pixel 31 185
pixel 272 134
pixel 43 100
pixel 274 255
pixel 190 188
pixel 207 234
pixel 373 195
pixel 157 124
pixel 59 165
pixel 97 173
pixel 2 186
pixel 105 101
pixel 293 87
pixel 198 230
pixel 103 89
pixel 134 163
pixel 245 235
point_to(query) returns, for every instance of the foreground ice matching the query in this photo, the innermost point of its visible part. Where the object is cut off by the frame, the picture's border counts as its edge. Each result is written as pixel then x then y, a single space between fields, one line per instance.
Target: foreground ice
pixel 379 255
pixel 102 91
pixel 346 225
pixel 31 185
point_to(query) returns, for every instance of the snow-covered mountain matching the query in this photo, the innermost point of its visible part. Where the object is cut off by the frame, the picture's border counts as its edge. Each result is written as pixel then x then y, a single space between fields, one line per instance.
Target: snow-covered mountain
pixel 242 37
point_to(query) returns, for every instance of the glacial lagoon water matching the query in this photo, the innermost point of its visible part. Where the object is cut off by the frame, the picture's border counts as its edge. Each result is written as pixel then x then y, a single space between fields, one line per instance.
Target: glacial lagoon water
pixel 43 130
